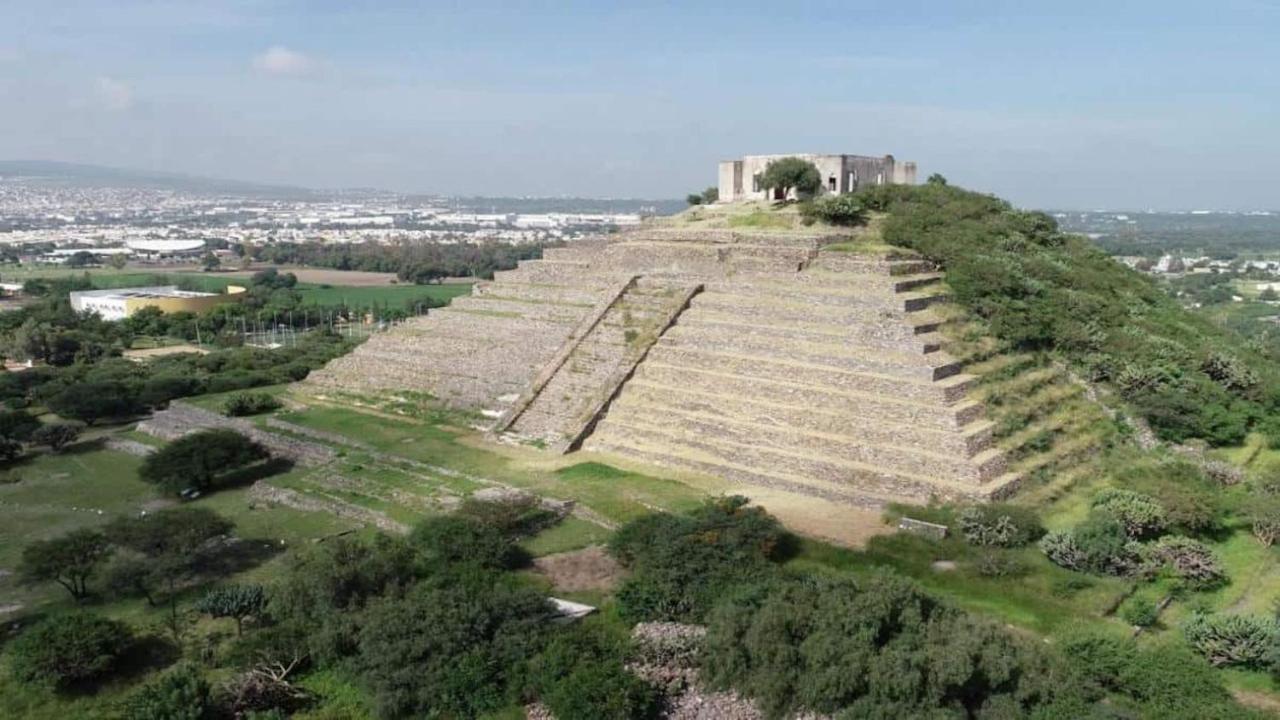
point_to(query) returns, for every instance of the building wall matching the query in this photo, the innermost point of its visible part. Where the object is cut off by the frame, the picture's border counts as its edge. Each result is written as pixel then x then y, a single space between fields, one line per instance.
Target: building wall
pixel 840 174
pixel 114 307
pixel 195 305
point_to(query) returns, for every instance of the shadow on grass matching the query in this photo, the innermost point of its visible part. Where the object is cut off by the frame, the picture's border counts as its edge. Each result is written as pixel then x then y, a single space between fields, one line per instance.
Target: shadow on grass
pixel 233 556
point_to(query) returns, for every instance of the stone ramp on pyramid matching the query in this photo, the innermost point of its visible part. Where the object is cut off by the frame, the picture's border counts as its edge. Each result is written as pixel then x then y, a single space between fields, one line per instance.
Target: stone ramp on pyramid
pixel 753 356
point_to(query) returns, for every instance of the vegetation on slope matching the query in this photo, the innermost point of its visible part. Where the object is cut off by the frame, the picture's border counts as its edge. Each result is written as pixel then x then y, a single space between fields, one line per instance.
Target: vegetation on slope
pixel 1039 289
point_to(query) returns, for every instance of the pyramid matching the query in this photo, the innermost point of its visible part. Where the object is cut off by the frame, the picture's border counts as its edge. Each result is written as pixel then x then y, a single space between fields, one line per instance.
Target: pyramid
pixel 767 358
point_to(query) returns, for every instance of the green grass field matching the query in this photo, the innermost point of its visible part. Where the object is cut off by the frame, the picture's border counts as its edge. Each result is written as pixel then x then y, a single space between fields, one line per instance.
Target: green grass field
pixel 360 296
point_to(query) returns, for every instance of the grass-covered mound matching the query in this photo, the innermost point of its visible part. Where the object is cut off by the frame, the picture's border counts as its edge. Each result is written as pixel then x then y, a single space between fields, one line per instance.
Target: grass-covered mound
pixel 1039 289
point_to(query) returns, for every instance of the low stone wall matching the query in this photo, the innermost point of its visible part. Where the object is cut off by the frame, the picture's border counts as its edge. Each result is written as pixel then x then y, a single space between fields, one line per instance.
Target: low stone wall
pixel 180 419
pixel 130 447
pixel 269 494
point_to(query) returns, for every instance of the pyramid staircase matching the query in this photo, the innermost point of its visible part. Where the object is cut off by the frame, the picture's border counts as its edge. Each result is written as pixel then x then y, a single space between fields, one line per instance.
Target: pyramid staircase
pixel 565 398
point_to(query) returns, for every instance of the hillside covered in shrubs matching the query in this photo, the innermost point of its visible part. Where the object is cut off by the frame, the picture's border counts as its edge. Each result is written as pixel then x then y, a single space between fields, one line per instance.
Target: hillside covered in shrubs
pixel 1039 289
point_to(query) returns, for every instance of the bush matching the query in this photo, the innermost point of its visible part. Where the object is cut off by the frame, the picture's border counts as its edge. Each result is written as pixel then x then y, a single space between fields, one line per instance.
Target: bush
pixel 682 564
pixel 1191 501
pixel 17 425
pixel 451 539
pixel 515 516
pixel 1097 545
pixel 999 564
pixel 1001 525
pixel 55 435
pixel 1141 516
pixel 93 401
pixel 1140 611
pixel 1232 640
pixel 843 210
pixel 1189 559
pixel 234 601
pixel 876 648
pixel 454 646
pixel 1263 512
pixel 200 460
pixel 62 651
pixel 179 694
pixel 249 403
pixel 581 675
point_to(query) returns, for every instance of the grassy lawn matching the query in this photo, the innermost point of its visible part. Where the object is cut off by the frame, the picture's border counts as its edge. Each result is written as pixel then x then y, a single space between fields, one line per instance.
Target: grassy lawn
pixel 393 295
pixel 569 534
pixel 312 293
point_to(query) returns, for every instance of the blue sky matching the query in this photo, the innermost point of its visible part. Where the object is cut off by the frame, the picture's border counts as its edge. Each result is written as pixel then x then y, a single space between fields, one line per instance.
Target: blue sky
pixel 1080 105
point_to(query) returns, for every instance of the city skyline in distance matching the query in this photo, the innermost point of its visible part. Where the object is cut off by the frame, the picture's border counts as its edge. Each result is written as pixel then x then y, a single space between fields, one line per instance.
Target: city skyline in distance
pixel 1096 106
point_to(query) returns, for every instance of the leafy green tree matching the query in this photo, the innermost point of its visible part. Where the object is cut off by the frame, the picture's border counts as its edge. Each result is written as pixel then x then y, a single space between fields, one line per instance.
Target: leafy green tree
pixel 56 435
pixel 130 574
pixel 93 401
pixel 1269 294
pixel 234 601
pixel 693 199
pixel 158 391
pixel 200 460
pixel 876 647
pixel 710 195
pixel 582 675
pixel 210 262
pixel 936 179
pixel 792 173
pixel 61 651
pixel 118 260
pixel 69 560
pixel 453 646
pixel 682 564
pixel 171 541
pixel 181 693
pixel 17 425
pixel 445 540
pixel 9 449
pixel 176 531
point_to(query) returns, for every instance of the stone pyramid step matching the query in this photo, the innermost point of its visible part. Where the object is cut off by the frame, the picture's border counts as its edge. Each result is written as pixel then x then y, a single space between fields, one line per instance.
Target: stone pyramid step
pixel 650 401
pixel 731 237
pixel 850 483
pixel 816 454
pixel 549 312
pixel 538 293
pixel 857 264
pixel 910 363
pixel 662 383
pixel 948 390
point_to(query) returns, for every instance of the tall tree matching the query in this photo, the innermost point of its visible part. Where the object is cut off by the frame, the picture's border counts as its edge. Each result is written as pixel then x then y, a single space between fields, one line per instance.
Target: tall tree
pixel 792 173
pixel 69 560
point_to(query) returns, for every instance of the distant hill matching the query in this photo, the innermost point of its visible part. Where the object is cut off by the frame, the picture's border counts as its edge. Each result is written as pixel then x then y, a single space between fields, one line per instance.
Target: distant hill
pixel 78 175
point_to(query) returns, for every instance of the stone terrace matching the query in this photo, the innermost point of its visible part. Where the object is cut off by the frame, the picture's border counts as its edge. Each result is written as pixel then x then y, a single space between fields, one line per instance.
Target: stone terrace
pixel 754 356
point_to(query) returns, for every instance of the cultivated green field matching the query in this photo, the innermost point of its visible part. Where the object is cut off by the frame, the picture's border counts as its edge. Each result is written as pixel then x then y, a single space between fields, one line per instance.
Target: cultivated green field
pixel 327 294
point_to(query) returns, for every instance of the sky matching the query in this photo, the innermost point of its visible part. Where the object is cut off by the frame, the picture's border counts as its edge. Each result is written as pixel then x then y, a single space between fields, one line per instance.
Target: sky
pixel 1081 105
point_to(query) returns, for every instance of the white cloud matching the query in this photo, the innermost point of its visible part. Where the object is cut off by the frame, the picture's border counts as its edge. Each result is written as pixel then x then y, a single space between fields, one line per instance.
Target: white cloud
pixel 280 60
pixel 113 94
